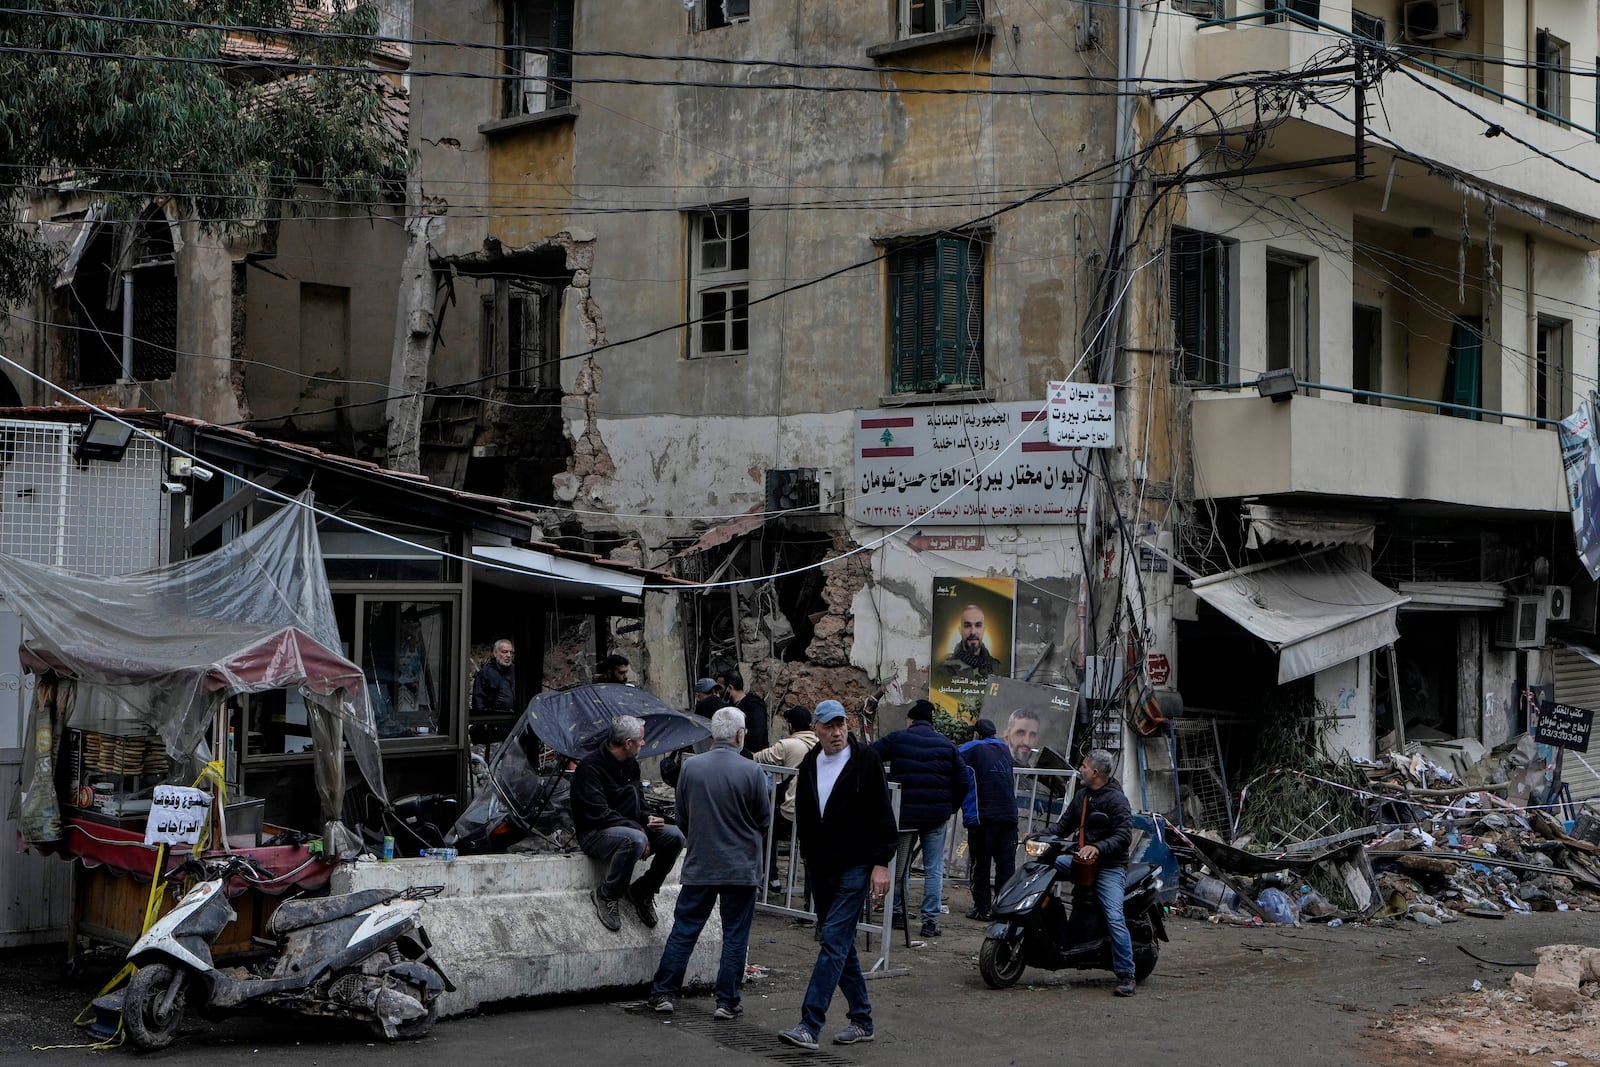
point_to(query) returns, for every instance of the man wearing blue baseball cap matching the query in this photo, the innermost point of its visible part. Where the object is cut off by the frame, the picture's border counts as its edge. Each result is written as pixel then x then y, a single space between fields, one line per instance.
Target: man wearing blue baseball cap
pixel 847 835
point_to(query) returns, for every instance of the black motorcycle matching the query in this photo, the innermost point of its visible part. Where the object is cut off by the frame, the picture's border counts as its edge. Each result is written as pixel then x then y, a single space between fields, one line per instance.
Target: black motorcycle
pixel 1036 926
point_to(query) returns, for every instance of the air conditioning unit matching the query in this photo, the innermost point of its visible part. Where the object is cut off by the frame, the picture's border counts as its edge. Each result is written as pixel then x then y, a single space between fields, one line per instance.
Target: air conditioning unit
pixel 793 489
pixel 1429 20
pixel 1522 624
pixel 1557 602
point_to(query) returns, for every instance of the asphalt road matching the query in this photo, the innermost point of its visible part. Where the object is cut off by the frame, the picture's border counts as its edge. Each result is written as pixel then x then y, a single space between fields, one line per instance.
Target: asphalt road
pixel 1220 995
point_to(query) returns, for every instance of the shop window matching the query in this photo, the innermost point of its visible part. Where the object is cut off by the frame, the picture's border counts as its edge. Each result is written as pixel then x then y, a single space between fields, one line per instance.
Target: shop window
pixel 404 650
pixel 539 37
pixel 936 298
pixel 1199 269
pixel 408 554
pixel 719 268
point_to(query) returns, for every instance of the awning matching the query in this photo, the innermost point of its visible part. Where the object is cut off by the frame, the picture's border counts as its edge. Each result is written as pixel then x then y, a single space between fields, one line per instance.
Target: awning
pixel 1315 611
pixel 721 534
pixel 1296 527
pixel 533 571
pixel 1454 596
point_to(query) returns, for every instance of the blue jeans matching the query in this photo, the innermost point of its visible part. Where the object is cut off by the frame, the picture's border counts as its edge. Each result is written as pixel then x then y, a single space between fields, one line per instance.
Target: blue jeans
pixel 1109 883
pixel 688 919
pixel 621 848
pixel 932 868
pixel 840 896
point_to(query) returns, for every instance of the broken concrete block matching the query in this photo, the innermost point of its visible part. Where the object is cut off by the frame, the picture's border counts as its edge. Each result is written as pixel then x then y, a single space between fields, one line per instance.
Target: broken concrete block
pixel 1562 970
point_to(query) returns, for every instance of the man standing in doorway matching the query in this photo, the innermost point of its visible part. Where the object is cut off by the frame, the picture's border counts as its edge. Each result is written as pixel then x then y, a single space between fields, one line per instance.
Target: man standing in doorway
pixel 608 816
pixel 847 836
pixel 723 810
pixel 494 687
pixel 756 717
pixel 1106 849
pixel 933 783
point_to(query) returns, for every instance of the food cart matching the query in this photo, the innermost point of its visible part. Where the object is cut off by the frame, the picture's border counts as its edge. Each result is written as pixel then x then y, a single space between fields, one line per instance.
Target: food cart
pixel 134 676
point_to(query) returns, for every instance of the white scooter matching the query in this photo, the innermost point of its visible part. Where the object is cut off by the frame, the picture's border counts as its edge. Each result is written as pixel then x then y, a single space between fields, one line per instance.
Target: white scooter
pixel 361 955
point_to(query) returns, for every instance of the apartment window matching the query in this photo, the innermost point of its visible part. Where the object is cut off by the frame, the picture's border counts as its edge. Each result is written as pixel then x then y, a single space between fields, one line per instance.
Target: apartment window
pixel 1552 374
pixel 101 280
pixel 1550 87
pixel 930 16
pixel 1288 314
pixel 936 296
pixel 719 270
pixel 1205 9
pixel 1279 10
pixel 1198 272
pixel 720 13
pixel 1463 370
pixel 521 335
pixel 1366 352
pixel 538 34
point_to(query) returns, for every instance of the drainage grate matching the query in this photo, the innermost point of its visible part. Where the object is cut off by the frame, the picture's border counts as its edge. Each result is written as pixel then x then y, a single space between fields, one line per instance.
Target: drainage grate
pixel 740 1036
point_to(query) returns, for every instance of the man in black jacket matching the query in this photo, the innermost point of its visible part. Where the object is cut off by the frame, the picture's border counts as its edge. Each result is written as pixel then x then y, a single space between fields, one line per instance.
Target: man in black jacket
pixel 757 719
pixel 933 783
pixel 494 687
pixel 1106 848
pixel 847 835
pixel 608 815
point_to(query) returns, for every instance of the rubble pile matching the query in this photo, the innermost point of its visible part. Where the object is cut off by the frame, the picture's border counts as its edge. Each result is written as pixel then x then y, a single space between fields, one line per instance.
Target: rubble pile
pixel 1442 839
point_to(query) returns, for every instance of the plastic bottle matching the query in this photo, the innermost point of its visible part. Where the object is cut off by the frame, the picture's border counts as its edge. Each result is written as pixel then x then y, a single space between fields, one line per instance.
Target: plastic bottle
pixel 1451 836
pixel 446 854
pixel 388 850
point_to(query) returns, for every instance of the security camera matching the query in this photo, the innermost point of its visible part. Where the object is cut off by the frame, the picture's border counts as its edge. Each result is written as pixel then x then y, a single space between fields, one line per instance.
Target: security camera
pixel 175 488
pixel 203 473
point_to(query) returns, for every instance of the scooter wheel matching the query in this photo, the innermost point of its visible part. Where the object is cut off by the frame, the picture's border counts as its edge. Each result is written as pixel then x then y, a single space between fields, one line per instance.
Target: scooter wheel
pixel 411 1029
pixel 152 1005
pixel 1000 962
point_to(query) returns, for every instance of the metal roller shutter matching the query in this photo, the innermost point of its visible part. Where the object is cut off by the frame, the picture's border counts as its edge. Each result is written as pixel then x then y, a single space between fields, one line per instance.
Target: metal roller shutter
pixel 1578 684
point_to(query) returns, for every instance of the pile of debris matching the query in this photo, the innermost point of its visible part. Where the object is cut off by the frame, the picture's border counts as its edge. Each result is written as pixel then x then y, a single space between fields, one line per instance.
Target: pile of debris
pixel 1438 842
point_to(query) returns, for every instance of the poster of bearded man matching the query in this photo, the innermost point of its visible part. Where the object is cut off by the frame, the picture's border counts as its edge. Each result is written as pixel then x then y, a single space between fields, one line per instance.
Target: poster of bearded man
pixel 974 620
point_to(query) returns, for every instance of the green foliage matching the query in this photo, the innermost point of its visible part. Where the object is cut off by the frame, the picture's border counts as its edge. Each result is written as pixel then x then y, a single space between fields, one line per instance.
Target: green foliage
pixel 1297 791
pixel 140 110
pixel 954 727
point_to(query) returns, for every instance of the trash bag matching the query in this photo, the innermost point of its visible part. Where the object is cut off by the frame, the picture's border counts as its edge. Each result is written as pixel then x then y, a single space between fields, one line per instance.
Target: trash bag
pixel 1277 907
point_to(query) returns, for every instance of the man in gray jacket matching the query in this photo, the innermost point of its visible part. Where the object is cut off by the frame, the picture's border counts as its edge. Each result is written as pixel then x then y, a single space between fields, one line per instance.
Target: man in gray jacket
pixel 724 810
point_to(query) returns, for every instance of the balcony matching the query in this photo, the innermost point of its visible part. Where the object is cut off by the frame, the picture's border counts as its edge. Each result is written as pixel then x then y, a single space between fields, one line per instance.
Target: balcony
pixel 1431 120
pixel 1246 446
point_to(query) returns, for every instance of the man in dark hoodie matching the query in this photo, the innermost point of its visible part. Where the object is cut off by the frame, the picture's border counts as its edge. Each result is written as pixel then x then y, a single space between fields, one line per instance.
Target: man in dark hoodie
pixel 933 783
pixel 846 828
pixel 990 815
pixel 1106 848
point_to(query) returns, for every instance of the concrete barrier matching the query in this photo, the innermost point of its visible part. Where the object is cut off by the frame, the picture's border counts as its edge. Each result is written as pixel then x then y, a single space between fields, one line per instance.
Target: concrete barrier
pixel 522 925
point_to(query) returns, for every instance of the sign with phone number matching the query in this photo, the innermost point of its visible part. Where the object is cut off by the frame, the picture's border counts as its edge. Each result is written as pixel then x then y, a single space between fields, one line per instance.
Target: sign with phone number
pixel 1563 726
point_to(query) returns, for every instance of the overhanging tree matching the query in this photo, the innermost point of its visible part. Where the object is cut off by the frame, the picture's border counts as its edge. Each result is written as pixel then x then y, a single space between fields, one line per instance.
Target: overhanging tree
pixel 235 110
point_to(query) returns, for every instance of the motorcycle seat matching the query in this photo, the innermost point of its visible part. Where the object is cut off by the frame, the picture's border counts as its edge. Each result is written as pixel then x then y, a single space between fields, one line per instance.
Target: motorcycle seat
pixel 296 914
pixel 1138 872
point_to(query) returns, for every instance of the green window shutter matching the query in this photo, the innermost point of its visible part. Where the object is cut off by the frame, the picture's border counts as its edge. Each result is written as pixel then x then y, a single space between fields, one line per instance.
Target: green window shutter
pixel 904 281
pixel 1464 368
pixel 971 370
pixel 950 303
pixel 1186 296
pixel 561 56
pixel 956 11
pixel 1214 311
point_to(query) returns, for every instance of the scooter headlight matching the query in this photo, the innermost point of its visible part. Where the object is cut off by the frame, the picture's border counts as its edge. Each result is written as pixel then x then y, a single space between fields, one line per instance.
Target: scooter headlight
pixel 1029 901
pixel 1035 849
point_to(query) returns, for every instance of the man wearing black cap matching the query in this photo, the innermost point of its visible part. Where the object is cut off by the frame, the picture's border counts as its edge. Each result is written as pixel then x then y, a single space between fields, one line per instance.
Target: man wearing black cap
pixel 990 815
pixel 933 783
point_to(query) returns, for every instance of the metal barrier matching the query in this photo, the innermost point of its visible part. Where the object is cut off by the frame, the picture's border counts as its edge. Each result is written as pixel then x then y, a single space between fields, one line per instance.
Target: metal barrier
pixel 791 898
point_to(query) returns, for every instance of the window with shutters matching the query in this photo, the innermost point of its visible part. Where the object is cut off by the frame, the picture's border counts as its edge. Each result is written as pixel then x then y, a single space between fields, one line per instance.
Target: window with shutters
pixel 1281 9
pixel 1552 375
pixel 936 299
pixel 1198 269
pixel 1550 88
pixel 538 36
pixel 719 281
pixel 1288 314
pixel 520 336
pixel 931 16
pixel 716 14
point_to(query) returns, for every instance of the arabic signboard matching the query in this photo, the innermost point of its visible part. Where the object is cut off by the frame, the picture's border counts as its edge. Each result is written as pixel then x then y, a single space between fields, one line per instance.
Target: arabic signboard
pixel 177 814
pixel 1563 726
pixel 1082 414
pixel 964 464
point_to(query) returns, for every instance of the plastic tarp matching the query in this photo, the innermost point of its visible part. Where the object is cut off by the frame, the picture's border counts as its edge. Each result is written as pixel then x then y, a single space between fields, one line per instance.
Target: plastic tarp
pixel 1315 611
pixel 158 651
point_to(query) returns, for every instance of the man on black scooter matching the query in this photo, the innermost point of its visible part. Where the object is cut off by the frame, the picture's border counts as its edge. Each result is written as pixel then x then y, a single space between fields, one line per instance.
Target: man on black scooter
pixel 1105 847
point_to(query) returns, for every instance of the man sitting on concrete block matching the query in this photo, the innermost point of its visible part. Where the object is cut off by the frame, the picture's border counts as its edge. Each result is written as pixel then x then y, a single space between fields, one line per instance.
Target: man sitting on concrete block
pixel 608 815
